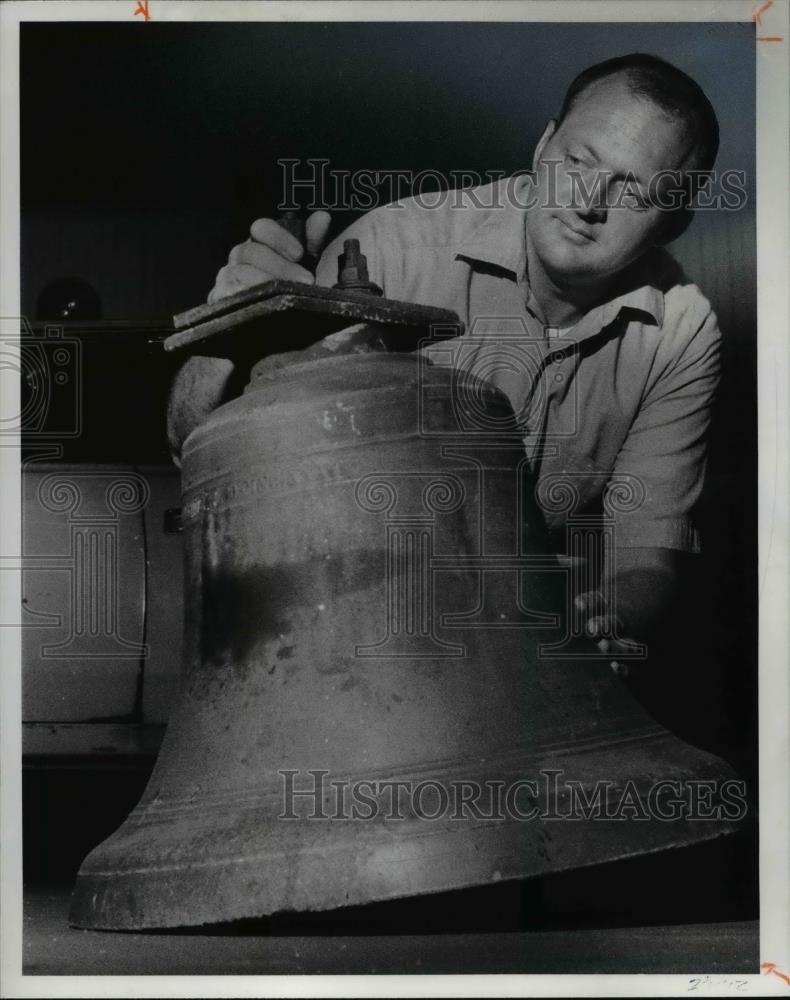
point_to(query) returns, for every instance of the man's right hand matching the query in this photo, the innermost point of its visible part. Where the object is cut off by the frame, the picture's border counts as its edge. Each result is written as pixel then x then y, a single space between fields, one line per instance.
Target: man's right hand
pixel 271 252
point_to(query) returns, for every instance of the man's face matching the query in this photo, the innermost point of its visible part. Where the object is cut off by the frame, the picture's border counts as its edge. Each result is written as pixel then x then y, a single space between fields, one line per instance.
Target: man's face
pixel 617 141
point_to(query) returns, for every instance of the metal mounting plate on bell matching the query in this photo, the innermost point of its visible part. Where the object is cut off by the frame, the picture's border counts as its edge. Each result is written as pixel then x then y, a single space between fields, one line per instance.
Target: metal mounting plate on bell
pixel 285 305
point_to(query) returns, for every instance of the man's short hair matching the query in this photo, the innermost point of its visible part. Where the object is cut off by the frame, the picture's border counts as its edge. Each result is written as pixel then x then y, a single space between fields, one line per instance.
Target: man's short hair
pixel 669 88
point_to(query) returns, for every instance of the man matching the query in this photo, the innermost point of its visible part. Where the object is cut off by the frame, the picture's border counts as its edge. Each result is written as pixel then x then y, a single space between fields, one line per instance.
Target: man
pixel 571 306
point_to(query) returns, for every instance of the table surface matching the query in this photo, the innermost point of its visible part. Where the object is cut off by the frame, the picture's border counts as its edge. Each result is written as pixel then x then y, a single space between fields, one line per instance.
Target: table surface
pixel 51 947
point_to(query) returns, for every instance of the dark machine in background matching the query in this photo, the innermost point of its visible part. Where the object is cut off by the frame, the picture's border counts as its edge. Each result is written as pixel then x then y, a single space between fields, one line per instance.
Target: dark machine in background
pixel 101 583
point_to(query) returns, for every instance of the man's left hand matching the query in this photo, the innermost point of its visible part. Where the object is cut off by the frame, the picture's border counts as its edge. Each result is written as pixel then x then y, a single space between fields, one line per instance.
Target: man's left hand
pixel 602 625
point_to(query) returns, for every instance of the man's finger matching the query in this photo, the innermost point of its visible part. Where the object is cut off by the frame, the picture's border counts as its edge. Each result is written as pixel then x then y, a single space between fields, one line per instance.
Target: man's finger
pixel 599 626
pixel 270 263
pixel 233 278
pixel 271 234
pixel 316 228
pixel 624 647
pixel 591 603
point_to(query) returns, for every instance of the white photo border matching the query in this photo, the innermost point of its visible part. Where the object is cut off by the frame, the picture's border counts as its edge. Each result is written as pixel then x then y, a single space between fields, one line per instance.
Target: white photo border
pixel 773 264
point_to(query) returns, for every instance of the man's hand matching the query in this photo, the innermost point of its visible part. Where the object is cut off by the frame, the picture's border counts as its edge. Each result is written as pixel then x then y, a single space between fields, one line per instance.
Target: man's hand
pixel 271 252
pixel 642 584
pixel 607 629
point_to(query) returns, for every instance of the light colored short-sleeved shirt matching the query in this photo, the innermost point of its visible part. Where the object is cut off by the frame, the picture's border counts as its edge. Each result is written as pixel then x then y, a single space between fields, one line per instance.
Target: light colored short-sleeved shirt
pixel 614 409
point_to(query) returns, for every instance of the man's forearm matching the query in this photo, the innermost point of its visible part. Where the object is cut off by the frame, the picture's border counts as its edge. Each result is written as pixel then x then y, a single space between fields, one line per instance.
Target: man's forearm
pixel 199 387
pixel 642 583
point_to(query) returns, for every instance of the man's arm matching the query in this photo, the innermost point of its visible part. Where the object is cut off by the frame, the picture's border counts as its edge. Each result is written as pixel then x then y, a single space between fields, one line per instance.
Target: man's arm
pixel 199 387
pixel 202 383
pixel 663 463
pixel 641 587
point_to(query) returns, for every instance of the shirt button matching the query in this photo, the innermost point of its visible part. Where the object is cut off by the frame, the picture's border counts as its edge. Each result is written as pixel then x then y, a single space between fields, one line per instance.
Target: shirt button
pixel 558 356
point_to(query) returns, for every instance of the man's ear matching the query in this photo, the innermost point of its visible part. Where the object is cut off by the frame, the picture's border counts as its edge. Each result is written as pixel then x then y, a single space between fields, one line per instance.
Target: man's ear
pixel 548 132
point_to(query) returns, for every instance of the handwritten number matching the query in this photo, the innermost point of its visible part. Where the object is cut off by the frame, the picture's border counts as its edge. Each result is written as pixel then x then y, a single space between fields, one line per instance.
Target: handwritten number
pixel 142 8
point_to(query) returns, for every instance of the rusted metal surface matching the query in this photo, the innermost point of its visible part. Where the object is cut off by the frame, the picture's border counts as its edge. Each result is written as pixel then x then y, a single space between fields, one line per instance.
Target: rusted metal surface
pixel 368 595
pixel 279 316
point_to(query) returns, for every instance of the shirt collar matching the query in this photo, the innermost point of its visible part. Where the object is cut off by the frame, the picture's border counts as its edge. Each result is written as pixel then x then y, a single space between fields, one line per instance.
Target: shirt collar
pixel 499 240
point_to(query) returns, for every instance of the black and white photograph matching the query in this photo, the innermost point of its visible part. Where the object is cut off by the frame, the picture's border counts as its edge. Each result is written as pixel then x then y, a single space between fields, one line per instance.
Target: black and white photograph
pixel 395 522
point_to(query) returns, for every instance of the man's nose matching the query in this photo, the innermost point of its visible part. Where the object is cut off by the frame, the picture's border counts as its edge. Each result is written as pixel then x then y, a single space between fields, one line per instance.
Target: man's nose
pixel 594 212
pixel 590 204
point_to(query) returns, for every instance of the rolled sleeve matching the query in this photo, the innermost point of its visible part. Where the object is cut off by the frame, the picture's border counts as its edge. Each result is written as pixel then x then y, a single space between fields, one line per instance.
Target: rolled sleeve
pixel 664 454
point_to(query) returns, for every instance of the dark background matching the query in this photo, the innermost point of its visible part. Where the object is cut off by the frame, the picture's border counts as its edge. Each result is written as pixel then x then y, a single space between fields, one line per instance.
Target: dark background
pixel 147 150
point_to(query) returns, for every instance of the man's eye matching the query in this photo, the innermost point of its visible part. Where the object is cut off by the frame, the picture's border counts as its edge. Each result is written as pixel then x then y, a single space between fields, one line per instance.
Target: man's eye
pixel 630 197
pixel 573 160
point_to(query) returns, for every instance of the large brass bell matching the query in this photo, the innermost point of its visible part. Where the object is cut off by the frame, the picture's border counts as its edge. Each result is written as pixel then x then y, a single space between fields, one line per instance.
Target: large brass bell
pixel 378 699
